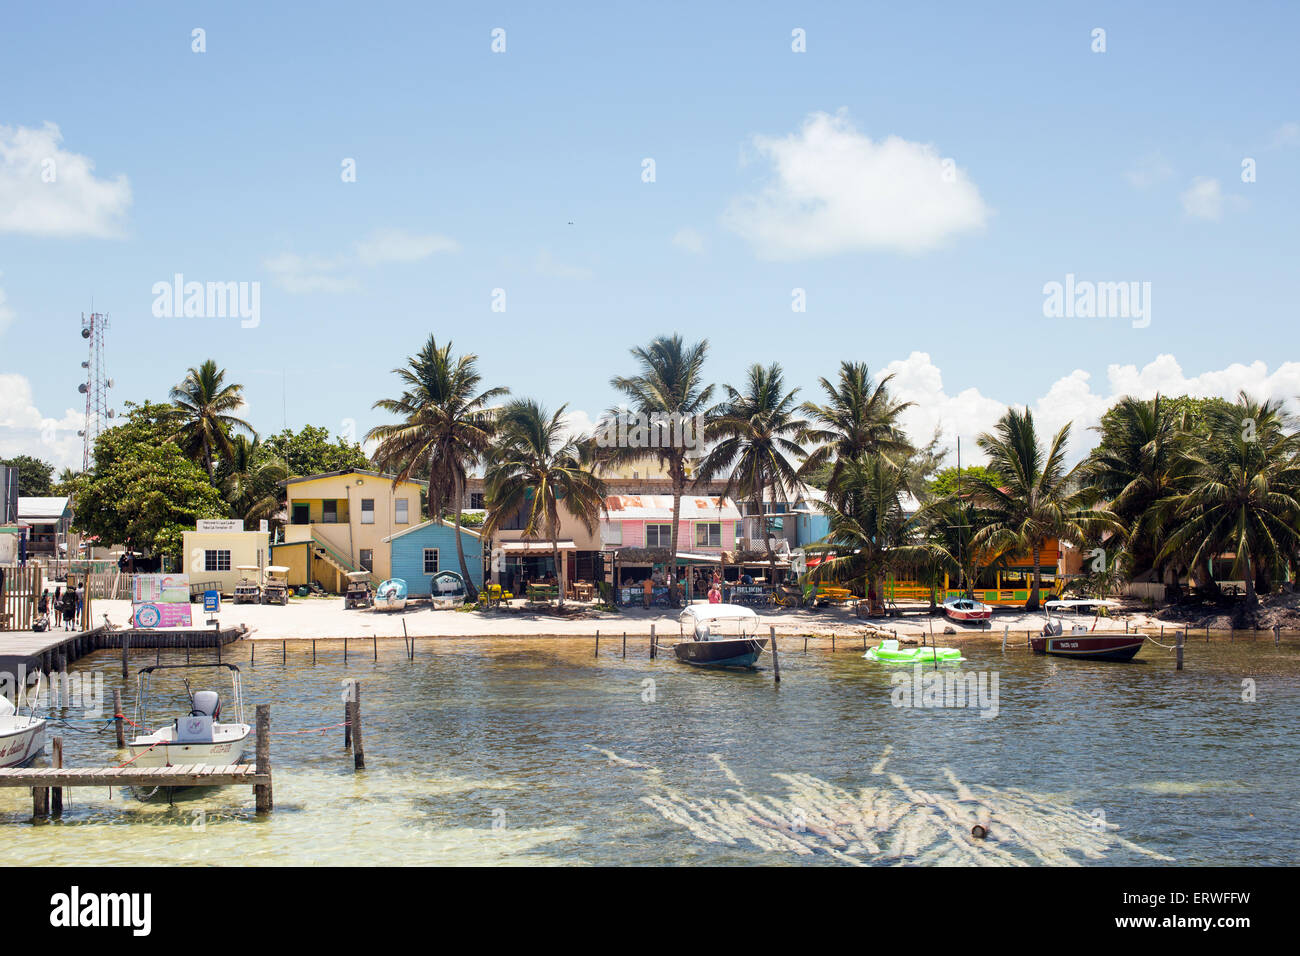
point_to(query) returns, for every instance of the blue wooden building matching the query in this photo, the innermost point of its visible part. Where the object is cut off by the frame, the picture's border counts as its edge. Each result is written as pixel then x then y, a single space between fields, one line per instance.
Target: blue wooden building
pixel 418 553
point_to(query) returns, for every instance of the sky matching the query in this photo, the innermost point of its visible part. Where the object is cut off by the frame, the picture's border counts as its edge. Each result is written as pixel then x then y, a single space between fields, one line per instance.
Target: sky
pixel 550 186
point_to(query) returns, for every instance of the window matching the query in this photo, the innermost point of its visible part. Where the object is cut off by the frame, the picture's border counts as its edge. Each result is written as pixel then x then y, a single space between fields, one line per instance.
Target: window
pixel 403 511
pixel 367 510
pixel 611 532
pixel 216 560
pixel 430 560
pixel 367 559
pixel 476 500
pixel 658 535
pixel 708 534
pixel 330 512
pixel 301 514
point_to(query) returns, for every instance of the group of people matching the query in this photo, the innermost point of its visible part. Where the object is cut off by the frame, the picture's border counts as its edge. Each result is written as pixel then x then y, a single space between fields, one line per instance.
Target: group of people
pixel 63 608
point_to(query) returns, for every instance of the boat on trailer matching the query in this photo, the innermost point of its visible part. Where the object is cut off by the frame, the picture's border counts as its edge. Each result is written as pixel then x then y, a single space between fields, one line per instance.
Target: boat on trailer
pixel 719 635
pixel 21 738
pixel 198 737
pixel 1081 641
pixel 967 611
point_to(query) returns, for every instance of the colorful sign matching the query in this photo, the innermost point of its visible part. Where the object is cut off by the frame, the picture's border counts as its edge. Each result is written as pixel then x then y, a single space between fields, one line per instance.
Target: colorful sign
pixel 160 615
pixel 211 601
pixel 219 524
pixel 160 589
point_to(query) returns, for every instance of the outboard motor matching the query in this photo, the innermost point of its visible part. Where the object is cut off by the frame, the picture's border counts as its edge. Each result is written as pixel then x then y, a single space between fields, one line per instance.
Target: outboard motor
pixel 206 704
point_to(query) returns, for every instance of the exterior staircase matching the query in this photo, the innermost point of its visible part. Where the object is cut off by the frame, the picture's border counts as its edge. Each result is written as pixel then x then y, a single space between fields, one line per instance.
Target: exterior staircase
pixel 326 552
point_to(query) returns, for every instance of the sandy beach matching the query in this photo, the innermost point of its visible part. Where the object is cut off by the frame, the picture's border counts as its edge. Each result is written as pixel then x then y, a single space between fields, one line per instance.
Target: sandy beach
pixel 325 618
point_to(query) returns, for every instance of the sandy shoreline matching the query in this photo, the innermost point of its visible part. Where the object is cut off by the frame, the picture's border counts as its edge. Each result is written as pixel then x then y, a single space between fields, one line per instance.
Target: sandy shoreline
pixel 326 619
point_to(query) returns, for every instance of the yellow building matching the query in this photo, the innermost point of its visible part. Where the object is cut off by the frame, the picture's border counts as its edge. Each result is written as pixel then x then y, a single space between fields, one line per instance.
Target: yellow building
pixel 215 556
pixel 338 522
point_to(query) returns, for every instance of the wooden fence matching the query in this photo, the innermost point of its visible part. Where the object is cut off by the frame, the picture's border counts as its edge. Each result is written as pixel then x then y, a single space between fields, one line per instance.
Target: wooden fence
pixel 18 597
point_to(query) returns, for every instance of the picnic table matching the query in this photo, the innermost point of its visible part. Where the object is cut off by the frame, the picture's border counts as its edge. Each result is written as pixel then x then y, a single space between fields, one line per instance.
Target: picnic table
pixel 542 593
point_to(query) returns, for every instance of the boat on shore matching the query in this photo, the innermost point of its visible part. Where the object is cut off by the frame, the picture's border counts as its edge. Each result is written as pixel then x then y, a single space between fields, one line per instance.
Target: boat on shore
pixel 21 738
pixel 967 611
pixel 447 589
pixel 198 737
pixel 889 651
pixel 721 635
pixel 1080 641
pixel 391 595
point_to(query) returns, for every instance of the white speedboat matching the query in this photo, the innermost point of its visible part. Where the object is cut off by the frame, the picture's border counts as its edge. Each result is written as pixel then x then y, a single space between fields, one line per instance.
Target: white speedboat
pixel 967 611
pixel 21 738
pixel 198 737
pixel 391 595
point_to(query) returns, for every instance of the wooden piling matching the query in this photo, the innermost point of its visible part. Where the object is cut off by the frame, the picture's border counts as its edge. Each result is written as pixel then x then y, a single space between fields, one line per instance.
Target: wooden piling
pixel 1178 649
pixel 126 643
pixel 347 717
pixel 117 719
pixel 284 654
pixel 597 654
pixel 374 640
pixel 1277 635
pixel 832 642
pixel 358 751
pixel 776 658
pixel 653 649
pixel 56 793
pixel 313 650
pixel 1005 629
pixel 625 645
pixel 345 650
pixel 262 795
pixel 40 802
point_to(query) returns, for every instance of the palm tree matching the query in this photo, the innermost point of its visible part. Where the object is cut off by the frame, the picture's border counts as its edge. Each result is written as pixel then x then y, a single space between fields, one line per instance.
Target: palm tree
pixel 535 467
pixel 1038 497
pixel 249 479
pixel 446 426
pixel 669 390
pixel 756 434
pixel 1137 468
pixel 1242 493
pixel 207 406
pixel 859 418
pixel 870 533
pixel 949 525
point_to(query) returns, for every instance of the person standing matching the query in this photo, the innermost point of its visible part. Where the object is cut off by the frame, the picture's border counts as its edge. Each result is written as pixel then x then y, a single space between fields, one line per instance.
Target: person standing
pixel 647 591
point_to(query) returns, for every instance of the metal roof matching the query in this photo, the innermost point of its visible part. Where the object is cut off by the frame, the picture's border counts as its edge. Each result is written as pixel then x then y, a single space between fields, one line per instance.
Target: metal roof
pixel 694 507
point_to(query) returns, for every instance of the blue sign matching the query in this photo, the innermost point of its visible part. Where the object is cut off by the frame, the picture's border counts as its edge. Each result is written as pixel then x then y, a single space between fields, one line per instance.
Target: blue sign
pixel 211 601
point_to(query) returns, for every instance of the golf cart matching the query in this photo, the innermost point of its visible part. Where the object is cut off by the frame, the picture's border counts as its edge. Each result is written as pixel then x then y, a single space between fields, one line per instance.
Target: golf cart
pixel 249 588
pixel 359 593
pixel 276 589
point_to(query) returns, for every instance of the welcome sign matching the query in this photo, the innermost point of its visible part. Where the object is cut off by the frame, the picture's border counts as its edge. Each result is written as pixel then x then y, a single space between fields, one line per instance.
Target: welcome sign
pixel 160 600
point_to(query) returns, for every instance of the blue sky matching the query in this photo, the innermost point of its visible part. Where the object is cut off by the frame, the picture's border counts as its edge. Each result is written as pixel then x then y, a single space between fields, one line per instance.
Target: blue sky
pixel 771 174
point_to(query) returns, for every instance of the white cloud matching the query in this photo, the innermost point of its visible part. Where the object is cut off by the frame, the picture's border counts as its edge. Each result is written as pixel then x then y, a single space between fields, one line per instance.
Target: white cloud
pixel 549 266
pixel 307 274
pixel 1148 171
pixel 1070 398
pixel 689 240
pixel 835 190
pixel 25 431
pixel 1286 135
pixel 396 245
pixel 577 424
pixel 1203 199
pixel 46 190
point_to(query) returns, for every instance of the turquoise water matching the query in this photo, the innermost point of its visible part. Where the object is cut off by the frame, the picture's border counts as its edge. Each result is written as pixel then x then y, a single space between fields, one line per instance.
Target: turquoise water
pixel 534 751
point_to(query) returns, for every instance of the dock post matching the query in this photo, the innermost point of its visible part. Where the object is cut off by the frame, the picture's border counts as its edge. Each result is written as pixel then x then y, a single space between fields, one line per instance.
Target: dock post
pixel 313 650
pixel 1005 629
pixel 776 659
pixel 1277 635
pixel 347 714
pixel 345 650
pixel 40 802
pixel 117 719
pixel 56 793
pixel 653 649
pixel 406 640
pixel 358 751
pixel 374 640
pixel 126 641
pixel 832 642
pixel 1178 651
pixel 262 795
pixel 284 654
pixel 597 654
pixel 625 645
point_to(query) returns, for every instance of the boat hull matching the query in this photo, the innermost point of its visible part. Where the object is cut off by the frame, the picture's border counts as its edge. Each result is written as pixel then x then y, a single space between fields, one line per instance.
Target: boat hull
pixel 1095 647
pixel 740 652
pixel 21 740
pixel 224 751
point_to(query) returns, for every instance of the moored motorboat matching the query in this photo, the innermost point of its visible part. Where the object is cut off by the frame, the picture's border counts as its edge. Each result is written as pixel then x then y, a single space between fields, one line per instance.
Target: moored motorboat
pixel 21 738
pixel 720 635
pixel 199 737
pixel 889 651
pixel 967 611
pixel 391 595
pixel 1081 641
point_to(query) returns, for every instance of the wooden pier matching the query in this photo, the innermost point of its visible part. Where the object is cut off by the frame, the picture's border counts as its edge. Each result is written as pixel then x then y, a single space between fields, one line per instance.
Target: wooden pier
pixel 50 782
pixel 46 649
